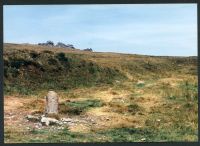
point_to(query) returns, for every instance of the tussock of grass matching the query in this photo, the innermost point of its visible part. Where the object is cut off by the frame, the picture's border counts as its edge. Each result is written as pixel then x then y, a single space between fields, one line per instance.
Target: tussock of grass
pixel 78 107
pixel 124 107
pixel 185 91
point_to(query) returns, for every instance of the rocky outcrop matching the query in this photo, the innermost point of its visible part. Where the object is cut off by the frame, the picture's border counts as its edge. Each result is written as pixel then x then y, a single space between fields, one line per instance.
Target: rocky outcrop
pixel 59 45
pixel 62 45
pixel 48 43
pixel 88 49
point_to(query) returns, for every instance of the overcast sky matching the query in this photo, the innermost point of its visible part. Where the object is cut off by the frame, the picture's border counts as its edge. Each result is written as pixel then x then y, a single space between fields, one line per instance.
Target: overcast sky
pixel 150 29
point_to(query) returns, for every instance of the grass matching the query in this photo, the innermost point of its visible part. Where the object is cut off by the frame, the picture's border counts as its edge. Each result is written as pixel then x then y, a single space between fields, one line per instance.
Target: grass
pixel 58 71
pixel 186 91
pixel 163 108
pixel 177 117
pixel 140 85
pixel 78 107
pixel 112 135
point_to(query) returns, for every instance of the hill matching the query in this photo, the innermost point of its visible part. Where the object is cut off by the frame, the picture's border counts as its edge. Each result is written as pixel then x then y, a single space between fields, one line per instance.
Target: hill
pixel 110 97
pixel 60 69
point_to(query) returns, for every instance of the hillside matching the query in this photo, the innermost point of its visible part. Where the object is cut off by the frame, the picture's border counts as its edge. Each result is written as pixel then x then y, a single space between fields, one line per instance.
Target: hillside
pixel 62 69
pixel 129 97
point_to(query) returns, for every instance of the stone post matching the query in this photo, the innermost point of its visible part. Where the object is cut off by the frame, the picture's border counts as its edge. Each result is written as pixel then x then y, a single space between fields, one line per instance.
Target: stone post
pixel 51 103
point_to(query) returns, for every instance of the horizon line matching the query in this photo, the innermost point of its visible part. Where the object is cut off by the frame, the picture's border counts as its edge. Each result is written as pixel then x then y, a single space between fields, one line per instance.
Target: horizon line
pixel 105 52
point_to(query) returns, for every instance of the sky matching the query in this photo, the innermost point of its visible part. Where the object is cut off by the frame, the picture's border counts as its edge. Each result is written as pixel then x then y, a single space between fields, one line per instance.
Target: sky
pixel 149 29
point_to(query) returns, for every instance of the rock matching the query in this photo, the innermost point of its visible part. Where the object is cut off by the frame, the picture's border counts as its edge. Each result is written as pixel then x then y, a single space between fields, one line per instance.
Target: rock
pixel 28 128
pixel 67 120
pixel 62 45
pixel 48 43
pixel 51 103
pixel 32 118
pixel 50 121
pixel 140 82
pixel 39 124
pixel 143 139
pixel 158 120
pixel 117 81
pixel 60 128
pixel 88 49
pixel 139 126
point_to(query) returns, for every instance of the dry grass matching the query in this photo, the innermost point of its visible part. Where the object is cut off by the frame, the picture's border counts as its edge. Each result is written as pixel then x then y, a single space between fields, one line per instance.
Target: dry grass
pixel 163 108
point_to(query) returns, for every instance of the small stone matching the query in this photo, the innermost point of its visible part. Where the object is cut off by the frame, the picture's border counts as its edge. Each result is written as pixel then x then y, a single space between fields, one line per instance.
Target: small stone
pixel 140 82
pixel 143 139
pixel 32 118
pixel 158 120
pixel 49 121
pixel 117 81
pixel 39 124
pixel 60 128
pixel 138 126
pixel 28 128
pixel 66 119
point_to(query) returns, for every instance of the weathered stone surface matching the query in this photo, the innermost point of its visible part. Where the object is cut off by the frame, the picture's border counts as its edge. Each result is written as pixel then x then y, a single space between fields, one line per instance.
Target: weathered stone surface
pixel 140 82
pixel 48 43
pixel 62 45
pixel 66 119
pixel 51 103
pixel 33 118
pixel 88 49
pixel 49 121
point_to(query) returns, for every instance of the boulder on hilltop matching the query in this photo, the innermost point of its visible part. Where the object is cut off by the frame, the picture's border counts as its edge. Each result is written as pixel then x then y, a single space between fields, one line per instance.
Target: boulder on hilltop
pixel 88 49
pixel 62 45
pixel 48 43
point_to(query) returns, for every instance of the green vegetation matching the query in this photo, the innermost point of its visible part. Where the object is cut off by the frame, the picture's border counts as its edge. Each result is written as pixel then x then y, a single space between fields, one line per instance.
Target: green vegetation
pixel 128 98
pixel 58 71
pixel 140 85
pixel 112 135
pixel 77 107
